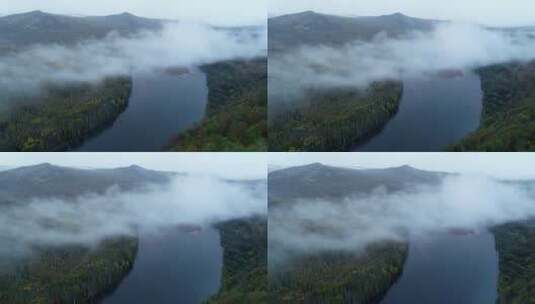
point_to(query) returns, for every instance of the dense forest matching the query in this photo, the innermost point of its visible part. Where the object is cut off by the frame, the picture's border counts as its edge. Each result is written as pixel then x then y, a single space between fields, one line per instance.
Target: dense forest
pixel 244 243
pixel 237 109
pixel 68 274
pixel 334 120
pixel 64 116
pixel 515 246
pixel 508 118
pixel 339 277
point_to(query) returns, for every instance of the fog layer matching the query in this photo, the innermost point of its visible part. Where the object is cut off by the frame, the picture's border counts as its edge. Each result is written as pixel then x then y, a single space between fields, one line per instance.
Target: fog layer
pixel 89 219
pixel 467 203
pixel 176 45
pixel 449 46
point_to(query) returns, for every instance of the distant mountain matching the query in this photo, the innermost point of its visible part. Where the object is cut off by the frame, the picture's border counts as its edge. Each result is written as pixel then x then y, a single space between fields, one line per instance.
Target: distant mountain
pixel 38 27
pixel 46 180
pixel 321 181
pixel 310 28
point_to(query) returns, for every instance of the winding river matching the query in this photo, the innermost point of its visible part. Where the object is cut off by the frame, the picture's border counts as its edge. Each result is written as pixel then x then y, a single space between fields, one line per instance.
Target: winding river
pixel 160 107
pixel 448 268
pixel 173 266
pixel 434 112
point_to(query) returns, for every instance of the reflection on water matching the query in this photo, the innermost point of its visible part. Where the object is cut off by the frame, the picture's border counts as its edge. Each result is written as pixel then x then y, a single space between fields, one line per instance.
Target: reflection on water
pixel 161 105
pixel 434 112
pixel 448 268
pixel 173 266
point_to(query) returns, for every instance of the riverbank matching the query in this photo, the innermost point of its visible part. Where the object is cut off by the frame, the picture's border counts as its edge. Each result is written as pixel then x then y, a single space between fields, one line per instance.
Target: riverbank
pixel 244 243
pixel 69 275
pixel 508 118
pixel 236 111
pixel 334 120
pixel 64 117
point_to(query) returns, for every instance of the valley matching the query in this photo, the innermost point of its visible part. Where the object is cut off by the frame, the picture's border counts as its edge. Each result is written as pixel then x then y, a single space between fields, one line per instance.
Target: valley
pixel 336 58
pixel 336 237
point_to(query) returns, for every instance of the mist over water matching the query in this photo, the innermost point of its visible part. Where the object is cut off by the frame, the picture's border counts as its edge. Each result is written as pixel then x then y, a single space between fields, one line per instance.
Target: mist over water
pixel 89 219
pixel 176 45
pixel 460 202
pixel 450 46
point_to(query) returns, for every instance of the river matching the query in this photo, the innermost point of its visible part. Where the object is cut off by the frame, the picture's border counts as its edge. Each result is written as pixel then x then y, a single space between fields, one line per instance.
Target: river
pixel 173 266
pixel 160 107
pixel 448 268
pixel 434 112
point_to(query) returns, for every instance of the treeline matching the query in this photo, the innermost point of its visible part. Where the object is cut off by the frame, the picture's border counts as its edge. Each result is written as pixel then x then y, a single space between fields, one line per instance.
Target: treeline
pixel 244 243
pixel 70 274
pixel 334 120
pixel 236 111
pixel 339 277
pixel 64 116
pixel 508 118
pixel 515 243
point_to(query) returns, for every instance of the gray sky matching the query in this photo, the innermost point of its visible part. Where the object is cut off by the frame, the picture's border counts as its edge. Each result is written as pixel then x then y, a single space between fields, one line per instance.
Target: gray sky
pixel 489 12
pixel 227 165
pixel 503 165
pixel 227 12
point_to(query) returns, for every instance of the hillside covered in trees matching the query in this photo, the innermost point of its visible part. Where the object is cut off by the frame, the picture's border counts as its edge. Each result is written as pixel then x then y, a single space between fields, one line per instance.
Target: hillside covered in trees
pixel 516 281
pixel 333 120
pixel 68 274
pixel 64 116
pixel 236 112
pixel 508 118
pixel 244 243
pixel 339 277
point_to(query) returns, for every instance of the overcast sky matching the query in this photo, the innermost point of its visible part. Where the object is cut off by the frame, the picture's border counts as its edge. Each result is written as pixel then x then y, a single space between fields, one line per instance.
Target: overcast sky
pixel 227 12
pixel 502 165
pixel 226 165
pixel 489 12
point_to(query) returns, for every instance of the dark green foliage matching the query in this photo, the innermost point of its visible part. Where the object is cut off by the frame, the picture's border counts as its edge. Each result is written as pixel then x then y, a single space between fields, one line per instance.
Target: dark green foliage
pixel 339 277
pixel 508 120
pixel 237 109
pixel 244 245
pixel 515 243
pixel 334 120
pixel 69 275
pixel 64 117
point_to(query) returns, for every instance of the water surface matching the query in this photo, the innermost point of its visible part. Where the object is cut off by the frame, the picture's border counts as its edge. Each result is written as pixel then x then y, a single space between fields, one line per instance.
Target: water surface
pixel 448 268
pixel 434 112
pixel 160 107
pixel 173 266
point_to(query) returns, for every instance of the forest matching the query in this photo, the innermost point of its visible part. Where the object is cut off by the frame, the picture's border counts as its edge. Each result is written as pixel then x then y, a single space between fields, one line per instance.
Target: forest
pixel 339 276
pixel 508 118
pixel 68 274
pixel 516 281
pixel 244 243
pixel 64 116
pixel 335 119
pixel 236 111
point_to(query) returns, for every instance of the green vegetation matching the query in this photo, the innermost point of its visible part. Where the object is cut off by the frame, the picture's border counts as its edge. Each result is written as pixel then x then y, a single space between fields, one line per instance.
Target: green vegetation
pixel 339 277
pixel 237 109
pixel 69 275
pixel 244 244
pixel 334 120
pixel 515 246
pixel 64 117
pixel 508 119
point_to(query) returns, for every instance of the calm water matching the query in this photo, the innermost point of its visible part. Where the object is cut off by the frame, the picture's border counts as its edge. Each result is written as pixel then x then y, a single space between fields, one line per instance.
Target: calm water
pixel 172 267
pixel 433 113
pixel 461 269
pixel 161 105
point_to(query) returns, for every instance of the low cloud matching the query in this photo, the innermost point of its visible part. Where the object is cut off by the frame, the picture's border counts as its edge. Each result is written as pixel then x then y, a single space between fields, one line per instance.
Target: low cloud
pixel 89 219
pixel 449 46
pixel 468 203
pixel 176 45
